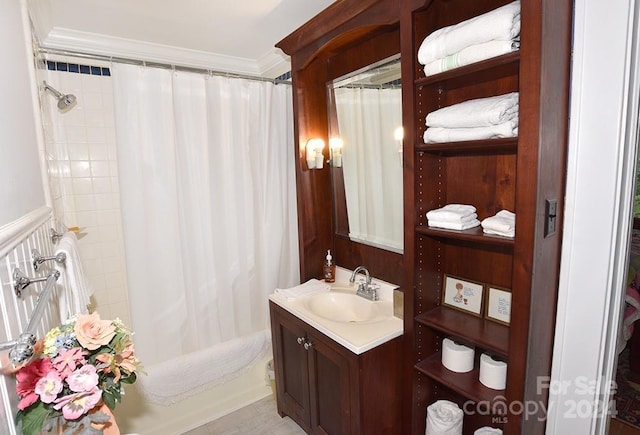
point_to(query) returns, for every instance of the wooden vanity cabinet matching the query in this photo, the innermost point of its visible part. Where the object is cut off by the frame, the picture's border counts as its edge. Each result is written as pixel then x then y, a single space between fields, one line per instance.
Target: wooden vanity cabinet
pixel 326 388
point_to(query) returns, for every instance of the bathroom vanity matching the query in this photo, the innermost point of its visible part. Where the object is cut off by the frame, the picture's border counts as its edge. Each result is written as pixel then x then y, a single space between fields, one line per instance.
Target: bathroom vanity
pixel 338 360
pixel 522 174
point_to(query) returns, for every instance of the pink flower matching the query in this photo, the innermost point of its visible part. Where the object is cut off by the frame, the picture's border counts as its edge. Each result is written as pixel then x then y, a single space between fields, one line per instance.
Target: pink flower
pixel 75 405
pixel 83 379
pixel 27 377
pixel 113 363
pixel 48 387
pixel 68 359
pixel 91 332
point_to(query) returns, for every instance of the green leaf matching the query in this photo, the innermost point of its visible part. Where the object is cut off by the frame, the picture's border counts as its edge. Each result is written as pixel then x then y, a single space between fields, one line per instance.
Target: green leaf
pixel 33 418
pixel 109 399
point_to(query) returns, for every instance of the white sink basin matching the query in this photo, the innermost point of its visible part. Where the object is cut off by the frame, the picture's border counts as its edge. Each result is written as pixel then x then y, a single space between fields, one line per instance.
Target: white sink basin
pixel 345 308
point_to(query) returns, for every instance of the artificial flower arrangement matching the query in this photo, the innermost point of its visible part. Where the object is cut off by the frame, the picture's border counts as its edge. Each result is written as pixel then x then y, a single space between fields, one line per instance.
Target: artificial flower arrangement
pixel 78 368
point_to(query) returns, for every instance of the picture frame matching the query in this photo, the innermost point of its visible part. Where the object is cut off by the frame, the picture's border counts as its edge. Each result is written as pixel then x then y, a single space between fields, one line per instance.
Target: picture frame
pixel 463 294
pixel 498 305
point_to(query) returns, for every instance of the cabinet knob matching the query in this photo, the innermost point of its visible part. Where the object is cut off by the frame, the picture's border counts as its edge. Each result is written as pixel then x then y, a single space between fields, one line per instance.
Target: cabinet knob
pixel 307 345
pixel 300 340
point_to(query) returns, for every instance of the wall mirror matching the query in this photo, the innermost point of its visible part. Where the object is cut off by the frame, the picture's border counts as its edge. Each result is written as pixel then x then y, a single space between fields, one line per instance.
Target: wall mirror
pixel 365 139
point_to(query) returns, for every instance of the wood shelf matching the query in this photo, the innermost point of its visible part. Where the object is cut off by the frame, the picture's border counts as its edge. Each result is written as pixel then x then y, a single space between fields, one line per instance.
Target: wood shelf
pixel 508 62
pixel 465 384
pixel 488 146
pixel 477 331
pixel 473 235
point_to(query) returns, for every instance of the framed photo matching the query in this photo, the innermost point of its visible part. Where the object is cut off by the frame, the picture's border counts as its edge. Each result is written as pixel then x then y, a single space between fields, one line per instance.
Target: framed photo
pixel 462 294
pixel 498 305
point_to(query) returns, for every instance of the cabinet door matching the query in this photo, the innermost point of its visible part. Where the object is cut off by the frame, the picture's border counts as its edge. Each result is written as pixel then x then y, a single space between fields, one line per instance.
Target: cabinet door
pixel 329 384
pixel 292 376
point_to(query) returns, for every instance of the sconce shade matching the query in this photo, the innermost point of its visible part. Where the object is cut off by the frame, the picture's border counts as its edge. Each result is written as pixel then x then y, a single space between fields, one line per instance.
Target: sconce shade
pixel 314 155
pixel 335 147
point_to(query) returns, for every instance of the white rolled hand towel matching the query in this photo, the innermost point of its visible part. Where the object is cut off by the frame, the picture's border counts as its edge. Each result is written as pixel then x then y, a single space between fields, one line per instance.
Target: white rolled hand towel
pixel 502 23
pixel 487 431
pixel 479 112
pixel 444 418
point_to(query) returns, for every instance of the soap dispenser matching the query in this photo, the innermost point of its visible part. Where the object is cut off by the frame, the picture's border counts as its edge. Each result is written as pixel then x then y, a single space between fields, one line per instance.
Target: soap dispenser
pixel 329 268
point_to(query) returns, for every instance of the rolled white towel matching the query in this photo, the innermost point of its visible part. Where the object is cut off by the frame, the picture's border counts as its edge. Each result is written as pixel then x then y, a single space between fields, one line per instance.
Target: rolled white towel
pixel 472 54
pixel 444 418
pixel 454 225
pixel 502 224
pixel 502 23
pixel 443 135
pixel 479 112
pixel 310 287
pixel 487 431
pixel 453 212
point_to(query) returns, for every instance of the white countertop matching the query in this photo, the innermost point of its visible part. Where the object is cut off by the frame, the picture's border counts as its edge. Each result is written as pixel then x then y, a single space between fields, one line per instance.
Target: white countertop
pixel 357 337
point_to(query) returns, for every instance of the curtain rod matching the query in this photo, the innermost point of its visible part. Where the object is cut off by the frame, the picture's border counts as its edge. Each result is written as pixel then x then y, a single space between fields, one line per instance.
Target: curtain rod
pixel 102 57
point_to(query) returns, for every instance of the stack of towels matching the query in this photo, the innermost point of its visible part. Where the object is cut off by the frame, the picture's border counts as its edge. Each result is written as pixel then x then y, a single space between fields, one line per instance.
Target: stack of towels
pixel 482 118
pixel 488 35
pixel 308 288
pixel 453 217
pixel 502 224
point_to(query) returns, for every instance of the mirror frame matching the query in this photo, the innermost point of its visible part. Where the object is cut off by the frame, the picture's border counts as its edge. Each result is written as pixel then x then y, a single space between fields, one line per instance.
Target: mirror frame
pixel 345 37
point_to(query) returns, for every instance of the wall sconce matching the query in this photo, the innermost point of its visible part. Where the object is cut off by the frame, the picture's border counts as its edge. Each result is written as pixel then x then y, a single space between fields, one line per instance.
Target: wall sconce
pixel 335 148
pixel 398 135
pixel 315 158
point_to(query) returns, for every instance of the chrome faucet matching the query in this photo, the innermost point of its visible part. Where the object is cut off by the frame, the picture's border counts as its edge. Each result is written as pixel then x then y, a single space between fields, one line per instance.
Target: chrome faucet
pixel 365 289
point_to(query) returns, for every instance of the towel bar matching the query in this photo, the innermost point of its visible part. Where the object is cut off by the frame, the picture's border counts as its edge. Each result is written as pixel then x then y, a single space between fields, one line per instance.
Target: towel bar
pixel 22 348
pixel 38 259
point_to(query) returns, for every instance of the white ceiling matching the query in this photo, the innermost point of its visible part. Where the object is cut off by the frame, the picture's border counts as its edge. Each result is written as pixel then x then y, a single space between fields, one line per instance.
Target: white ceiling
pixel 237 35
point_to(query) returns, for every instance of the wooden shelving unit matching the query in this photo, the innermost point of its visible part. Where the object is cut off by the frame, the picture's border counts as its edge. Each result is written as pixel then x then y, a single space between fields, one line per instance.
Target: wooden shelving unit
pixel 515 174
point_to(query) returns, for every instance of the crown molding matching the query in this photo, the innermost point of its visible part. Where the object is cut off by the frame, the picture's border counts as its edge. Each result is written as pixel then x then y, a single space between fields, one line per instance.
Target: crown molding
pixel 270 65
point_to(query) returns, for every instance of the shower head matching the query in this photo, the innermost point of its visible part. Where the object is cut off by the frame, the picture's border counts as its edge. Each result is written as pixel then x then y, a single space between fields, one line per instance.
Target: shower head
pixel 65 101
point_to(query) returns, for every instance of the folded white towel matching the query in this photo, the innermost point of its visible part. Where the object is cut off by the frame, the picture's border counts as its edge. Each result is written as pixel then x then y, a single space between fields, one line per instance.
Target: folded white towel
pixel 488 431
pixel 502 224
pixel 76 292
pixel 310 287
pixel 441 135
pixel 472 54
pixel 444 418
pixel 454 225
pixel 453 213
pixel 479 112
pixel 502 24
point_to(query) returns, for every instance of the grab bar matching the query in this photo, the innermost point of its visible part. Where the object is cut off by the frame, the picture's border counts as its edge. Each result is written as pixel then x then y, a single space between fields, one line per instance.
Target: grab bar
pixel 22 348
pixel 38 259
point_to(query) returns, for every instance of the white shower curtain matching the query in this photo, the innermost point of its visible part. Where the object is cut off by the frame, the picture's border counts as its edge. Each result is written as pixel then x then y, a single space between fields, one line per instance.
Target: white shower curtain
pixel 372 166
pixel 207 187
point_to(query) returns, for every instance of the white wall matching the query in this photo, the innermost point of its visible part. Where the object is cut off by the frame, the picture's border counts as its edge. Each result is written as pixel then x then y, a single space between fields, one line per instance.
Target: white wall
pixel 83 178
pixel 21 185
pixel 602 149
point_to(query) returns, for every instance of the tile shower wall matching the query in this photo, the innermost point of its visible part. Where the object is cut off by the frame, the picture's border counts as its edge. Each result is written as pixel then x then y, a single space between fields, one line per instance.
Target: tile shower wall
pixel 83 174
